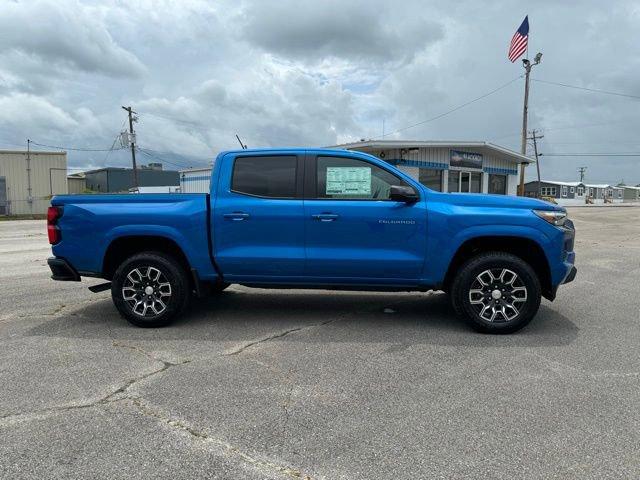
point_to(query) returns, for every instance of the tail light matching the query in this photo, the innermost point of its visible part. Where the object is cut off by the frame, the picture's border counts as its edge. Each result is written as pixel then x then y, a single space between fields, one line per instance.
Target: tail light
pixel 53 230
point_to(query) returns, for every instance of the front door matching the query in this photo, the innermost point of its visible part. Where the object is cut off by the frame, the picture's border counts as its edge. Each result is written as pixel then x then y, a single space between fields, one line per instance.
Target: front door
pixel 465 182
pixel 258 225
pixel 354 232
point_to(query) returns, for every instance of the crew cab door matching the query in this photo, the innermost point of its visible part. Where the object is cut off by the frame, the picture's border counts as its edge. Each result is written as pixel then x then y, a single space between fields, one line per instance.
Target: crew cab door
pixel 354 232
pixel 258 217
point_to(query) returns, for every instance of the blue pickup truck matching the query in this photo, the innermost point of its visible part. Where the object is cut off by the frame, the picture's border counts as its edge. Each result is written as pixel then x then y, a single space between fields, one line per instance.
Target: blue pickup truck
pixel 315 218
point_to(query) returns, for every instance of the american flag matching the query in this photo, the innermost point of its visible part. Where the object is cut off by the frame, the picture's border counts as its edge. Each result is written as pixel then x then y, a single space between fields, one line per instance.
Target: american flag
pixel 519 41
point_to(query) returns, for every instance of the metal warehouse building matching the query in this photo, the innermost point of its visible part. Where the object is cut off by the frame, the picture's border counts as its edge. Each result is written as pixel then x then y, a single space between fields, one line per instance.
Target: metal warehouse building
pixel 112 180
pixel 29 179
pixel 469 167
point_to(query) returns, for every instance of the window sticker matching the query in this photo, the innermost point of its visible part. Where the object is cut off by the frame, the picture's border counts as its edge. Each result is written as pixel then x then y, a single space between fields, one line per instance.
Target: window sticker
pixel 348 181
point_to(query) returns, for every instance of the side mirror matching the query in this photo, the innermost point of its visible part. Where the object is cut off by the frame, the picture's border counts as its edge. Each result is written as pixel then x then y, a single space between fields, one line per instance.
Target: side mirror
pixel 401 193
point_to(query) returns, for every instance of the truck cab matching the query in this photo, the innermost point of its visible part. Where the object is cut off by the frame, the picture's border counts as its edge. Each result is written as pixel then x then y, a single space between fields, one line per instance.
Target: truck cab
pixel 316 218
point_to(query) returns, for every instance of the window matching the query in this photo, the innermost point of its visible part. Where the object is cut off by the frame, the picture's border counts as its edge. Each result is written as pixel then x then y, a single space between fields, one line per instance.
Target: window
pixel 465 182
pixel 498 184
pixel 619 193
pixel 580 191
pixel 548 191
pixel 573 190
pixel 454 181
pixel 564 190
pixel 272 177
pixel 591 192
pixel 431 178
pixel 350 179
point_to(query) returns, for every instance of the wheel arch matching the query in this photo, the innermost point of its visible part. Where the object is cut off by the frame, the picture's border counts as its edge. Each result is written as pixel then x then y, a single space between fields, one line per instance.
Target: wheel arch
pixel 527 249
pixel 123 247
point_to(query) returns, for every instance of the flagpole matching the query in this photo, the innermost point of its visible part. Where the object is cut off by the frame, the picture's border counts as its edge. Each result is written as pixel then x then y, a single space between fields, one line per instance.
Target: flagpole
pixel 525 110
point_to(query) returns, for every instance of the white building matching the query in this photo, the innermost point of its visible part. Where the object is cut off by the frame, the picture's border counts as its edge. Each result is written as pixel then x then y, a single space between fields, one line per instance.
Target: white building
pixel 195 180
pixel 474 167
pixel 28 180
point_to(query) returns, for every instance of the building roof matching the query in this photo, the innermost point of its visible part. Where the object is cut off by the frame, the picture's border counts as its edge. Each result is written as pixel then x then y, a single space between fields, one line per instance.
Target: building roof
pixel 598 185
pixel 554 182
pixel 388 144
pixel 32 152
pixel 629 186
pixel 126 169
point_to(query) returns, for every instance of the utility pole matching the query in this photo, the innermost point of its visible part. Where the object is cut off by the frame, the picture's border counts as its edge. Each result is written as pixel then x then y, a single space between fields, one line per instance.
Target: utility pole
pixel 132 142
pixel 535 137
pixel 527 68
pixel 581 171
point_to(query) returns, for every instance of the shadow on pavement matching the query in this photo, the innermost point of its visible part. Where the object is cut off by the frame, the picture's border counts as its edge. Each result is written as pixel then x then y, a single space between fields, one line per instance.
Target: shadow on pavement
pixel 401 320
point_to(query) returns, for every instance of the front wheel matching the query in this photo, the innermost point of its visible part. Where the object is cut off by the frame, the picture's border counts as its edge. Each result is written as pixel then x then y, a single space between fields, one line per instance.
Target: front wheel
pixel 149 289
pixel 496 292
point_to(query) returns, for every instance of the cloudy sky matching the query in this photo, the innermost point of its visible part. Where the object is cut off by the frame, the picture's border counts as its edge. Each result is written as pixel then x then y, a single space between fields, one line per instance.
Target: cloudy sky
pixel 317 73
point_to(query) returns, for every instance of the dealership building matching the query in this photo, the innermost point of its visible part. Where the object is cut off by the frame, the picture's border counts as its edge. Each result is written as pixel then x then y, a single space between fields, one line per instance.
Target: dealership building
pixel 471 167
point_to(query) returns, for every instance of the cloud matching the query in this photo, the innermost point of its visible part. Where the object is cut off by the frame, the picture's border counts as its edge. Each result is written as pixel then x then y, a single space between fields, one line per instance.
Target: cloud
pixel 275 109
pixel 65 34
pixel 33 114
pixel 360 31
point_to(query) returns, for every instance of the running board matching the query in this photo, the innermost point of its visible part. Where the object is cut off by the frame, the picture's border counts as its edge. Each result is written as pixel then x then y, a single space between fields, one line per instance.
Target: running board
pixel 100 288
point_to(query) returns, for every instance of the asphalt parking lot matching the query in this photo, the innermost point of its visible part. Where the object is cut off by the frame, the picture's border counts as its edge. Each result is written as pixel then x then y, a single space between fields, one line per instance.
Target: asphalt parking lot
pixel 291 384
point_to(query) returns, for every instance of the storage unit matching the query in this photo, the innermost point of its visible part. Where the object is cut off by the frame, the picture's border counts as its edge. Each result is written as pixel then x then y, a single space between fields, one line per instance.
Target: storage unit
pixel 467 167
pixel 28 180
pixel 195 180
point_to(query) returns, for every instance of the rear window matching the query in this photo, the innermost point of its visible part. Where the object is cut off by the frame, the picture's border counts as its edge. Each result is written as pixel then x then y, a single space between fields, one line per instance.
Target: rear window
pixel 268 176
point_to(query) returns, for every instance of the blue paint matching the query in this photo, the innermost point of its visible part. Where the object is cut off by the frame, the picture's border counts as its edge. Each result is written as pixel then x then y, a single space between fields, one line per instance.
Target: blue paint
pixel 367 242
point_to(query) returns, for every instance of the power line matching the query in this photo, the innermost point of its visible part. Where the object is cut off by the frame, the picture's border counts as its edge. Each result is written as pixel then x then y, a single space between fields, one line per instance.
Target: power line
pixel 454 109
pixel 590 154
pixel 595 90
pixel 146 152
pixel 566 127
pixel 74 149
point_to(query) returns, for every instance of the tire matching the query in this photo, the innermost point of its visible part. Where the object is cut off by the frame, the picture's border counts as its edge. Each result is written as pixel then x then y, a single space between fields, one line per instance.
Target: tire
pixel 496 292
pixel 169 295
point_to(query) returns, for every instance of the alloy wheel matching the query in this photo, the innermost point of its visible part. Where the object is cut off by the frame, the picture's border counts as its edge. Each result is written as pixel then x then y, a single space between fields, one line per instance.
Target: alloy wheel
pixel 147 291
pixel 498 295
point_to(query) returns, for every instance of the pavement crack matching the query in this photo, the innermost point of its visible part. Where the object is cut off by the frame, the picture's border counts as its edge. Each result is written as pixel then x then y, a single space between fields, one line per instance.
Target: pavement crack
pixel 201 434
pixel 122 389
pixel 284 333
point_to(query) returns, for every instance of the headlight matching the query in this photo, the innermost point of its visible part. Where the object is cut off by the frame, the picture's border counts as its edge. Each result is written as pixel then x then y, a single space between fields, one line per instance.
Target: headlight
pixel 554 217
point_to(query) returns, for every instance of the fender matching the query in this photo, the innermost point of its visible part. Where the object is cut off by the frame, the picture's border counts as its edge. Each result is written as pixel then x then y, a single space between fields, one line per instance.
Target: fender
pixel 439 264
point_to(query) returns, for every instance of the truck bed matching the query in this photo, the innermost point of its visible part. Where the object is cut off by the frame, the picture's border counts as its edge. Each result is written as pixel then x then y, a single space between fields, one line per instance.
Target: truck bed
pixel 91 223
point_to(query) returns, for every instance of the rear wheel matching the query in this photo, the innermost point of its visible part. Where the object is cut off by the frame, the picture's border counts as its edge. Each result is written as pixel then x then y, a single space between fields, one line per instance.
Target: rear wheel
pixel 149 289
pixel 496 292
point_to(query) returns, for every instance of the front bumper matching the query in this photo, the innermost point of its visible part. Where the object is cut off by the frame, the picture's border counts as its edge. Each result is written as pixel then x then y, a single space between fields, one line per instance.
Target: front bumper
pixel 62 270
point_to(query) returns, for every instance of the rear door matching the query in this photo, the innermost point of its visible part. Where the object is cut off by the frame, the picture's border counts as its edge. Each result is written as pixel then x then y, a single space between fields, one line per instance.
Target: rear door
pixel 258 224
pixel 354 232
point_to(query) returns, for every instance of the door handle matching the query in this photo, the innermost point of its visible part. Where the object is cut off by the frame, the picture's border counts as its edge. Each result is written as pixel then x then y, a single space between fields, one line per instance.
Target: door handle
pixel 325 217
pixel 236 216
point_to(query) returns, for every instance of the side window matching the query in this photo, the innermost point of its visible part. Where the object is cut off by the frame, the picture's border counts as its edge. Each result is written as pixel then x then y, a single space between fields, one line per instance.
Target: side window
pixel 268 176
pixel 351 179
